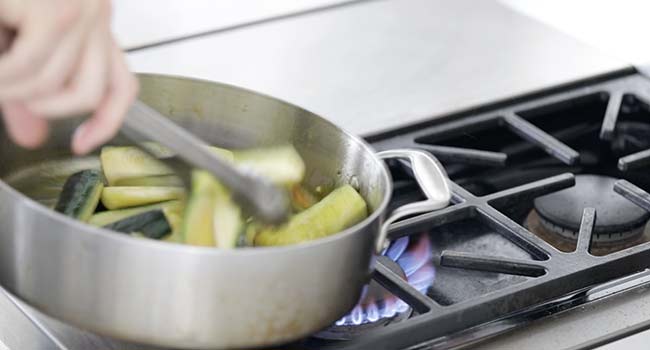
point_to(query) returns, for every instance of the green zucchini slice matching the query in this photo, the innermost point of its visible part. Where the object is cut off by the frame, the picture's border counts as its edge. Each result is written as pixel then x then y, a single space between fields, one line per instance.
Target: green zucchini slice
pixel 228 223
pixel 339 210
pixel 281 164
pixel 119 197
pixel 107 217
pixel 160 180
pixel 211 217
pixel 80 194
pixel 123 162
pixel 198 221
pixel 151 224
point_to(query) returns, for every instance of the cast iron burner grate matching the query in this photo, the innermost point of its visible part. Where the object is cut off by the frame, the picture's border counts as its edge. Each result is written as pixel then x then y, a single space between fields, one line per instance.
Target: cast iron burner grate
pixel 545 273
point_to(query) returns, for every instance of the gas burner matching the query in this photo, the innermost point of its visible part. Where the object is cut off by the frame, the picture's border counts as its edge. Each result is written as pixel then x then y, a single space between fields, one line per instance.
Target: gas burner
pixel 619 223
pixel 411 260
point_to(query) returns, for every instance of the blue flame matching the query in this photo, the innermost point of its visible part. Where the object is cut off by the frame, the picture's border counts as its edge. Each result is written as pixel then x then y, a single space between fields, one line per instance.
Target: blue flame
pixel 414 257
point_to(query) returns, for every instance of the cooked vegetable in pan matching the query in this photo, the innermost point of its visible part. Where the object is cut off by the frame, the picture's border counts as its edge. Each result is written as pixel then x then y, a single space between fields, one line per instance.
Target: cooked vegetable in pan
pixel 136 194
pixel 339 210
pixel 80 194
pixel 151 224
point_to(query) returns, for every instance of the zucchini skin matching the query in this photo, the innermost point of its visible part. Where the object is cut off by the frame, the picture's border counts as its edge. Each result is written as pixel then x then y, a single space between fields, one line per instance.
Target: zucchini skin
pixel 107 217
pixel 80 194
pixel 151 224
pixel 160 180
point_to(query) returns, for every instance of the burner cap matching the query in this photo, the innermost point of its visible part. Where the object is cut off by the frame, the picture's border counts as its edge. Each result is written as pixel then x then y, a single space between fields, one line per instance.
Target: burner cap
pixel 616 217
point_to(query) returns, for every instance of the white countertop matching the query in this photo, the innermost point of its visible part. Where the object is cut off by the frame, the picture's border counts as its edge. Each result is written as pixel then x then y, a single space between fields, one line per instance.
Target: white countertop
pixel 620 27
pixel 144 22
pixel 377 65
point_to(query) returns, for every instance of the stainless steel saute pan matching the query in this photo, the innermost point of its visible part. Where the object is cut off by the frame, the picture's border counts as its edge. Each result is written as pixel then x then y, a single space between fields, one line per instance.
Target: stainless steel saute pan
pixel 192 297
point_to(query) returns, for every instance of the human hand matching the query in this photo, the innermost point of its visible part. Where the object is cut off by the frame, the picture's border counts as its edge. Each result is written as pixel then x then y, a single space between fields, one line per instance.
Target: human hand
pixel 60 59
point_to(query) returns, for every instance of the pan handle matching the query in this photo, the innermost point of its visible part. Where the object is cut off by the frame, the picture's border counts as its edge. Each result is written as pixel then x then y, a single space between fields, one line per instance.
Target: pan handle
pixel 432 179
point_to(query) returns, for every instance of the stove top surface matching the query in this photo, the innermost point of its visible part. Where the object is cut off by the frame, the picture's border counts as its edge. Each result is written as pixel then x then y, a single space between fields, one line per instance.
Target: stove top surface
pixel 550 200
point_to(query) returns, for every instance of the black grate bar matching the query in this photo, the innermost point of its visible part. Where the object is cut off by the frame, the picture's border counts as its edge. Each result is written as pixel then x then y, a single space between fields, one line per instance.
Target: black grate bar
pixel 426 221
pixel 535 246
pixel 634 160
pixel 586 228
pixel 395 283
pixel 550 144
pixel 491 264
pixel 633 193
pixel 611 115
pixel 563 277
pixel 530 190
pixel 465 155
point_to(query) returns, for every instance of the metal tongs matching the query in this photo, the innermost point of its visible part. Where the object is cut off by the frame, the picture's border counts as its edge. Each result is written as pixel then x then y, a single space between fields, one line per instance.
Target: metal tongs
pixel 258 196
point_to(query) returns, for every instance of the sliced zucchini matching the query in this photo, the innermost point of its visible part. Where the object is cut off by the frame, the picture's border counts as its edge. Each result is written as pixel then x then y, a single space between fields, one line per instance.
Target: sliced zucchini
pixel 282 164
pixel 251 231
pixel 175 237
pixel 339 210
pixel 151 224
pixel 123 196
pixel 228 223
pixel 156 149
pixel 123 162
pixel 175 218
pixel 161 151
pixel 211 217
pixel 198 224
pixel 161 180
pixel 301 198
pixel 80 194
pixel 107 217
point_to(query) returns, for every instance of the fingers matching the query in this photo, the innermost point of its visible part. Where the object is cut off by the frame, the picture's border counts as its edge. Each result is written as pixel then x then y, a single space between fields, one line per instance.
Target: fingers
pixel 23 127
pixel 29 72
pixel 52 76
pixel 62 62
pixel 106 120
pixel 41 31
pixel 88 86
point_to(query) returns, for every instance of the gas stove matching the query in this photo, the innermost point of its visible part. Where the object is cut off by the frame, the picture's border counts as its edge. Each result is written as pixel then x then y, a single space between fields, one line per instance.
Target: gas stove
pixel 549 213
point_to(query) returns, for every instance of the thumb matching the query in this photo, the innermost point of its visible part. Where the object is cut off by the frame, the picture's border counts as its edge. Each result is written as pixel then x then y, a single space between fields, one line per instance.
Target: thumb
pixel 24 128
